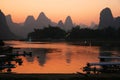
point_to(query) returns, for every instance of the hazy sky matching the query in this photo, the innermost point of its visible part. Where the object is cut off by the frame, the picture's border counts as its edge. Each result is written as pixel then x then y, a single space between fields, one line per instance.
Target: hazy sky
pixel 81 11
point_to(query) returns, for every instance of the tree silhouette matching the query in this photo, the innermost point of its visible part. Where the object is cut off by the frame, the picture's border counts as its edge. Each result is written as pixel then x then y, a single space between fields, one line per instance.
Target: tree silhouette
pixel 47 33
pixel 76 34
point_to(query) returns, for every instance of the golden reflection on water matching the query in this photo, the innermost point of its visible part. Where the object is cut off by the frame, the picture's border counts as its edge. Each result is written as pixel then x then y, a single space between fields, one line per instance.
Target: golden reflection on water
pixel 63 58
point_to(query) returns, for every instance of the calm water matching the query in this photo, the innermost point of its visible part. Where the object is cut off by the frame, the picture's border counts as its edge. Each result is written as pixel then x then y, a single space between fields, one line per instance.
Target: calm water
pixel 55 57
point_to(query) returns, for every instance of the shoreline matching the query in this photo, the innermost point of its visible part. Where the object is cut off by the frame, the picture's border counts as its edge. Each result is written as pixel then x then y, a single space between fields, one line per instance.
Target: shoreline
pixel 59 76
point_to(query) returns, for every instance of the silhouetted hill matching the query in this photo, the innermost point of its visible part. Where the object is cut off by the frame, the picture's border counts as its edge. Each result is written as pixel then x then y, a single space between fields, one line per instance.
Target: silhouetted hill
pixel 22 30
pixel 16 28
pixel 117 22
pixel 29 25
pixel 30 20
pixel 43 21
pixel 5 32
pixel 107 20
pixel 61 24
pixel 68 23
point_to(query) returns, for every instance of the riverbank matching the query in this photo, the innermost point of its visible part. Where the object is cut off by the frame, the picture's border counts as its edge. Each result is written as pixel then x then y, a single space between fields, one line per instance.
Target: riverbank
pixel 51 76
pixel 79 76
pixel 80 42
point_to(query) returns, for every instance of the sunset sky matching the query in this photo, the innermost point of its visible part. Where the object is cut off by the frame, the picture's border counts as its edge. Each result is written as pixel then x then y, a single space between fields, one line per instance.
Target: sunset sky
pixel 81 11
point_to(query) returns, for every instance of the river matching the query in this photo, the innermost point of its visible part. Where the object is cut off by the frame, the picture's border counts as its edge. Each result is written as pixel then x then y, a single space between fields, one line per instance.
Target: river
pixel 55 57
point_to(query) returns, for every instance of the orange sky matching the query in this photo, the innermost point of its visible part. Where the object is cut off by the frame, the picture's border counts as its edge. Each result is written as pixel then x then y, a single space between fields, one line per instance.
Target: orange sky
pixel 81 11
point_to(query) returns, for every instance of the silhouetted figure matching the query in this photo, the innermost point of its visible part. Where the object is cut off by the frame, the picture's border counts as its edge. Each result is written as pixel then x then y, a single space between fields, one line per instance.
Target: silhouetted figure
pixel 2 43
pixel 94 70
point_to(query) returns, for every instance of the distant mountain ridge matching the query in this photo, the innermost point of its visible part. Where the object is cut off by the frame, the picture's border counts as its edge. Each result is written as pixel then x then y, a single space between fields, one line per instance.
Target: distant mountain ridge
pixel 106 20
pixel 41 22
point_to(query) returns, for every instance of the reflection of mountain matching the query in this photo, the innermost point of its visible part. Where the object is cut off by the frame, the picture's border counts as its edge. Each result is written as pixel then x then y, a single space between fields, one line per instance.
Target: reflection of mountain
pixel 40 53
pixel 42 57
pixel 68 56
pixel 109 51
